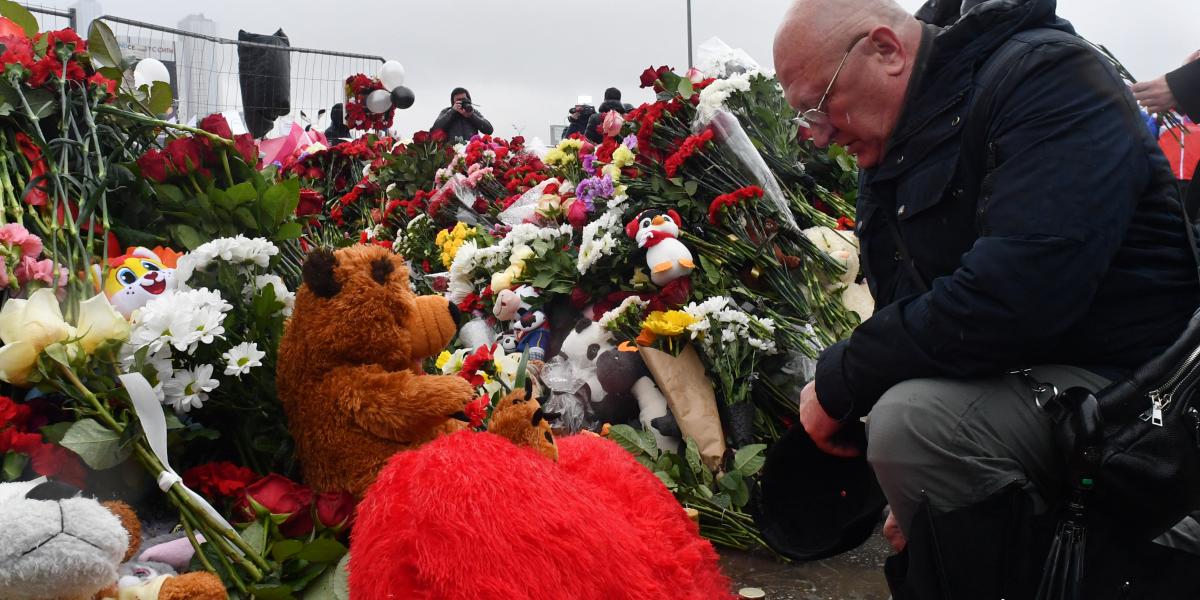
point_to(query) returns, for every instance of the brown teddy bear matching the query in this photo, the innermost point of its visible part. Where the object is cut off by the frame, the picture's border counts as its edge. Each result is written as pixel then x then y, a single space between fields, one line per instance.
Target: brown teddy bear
pixel 349 371
pixel 198 585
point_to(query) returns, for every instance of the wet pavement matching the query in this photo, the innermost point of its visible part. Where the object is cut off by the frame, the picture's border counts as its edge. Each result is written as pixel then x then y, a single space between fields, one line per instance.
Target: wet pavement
pixel 856 575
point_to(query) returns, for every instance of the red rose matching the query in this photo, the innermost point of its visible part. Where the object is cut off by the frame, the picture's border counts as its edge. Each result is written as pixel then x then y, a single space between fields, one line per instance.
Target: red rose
pixel 577 214
pixel 217 125
pixel 334 509
pixel 55 461
pixel 579 298
pixel 186 154
pixel 311 202
pixel 248 148
pixel 219 479
pixel 154 165
pixel 649 76
pixel 420 137
pixel 279 495
pixel 673 295
pixel 438 135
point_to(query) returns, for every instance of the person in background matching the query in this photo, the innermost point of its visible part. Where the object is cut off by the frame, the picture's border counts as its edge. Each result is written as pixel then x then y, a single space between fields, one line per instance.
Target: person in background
pixel 337 132
pixel 460 120
pixel 1178 90
pixel 612 101
pixel 578 119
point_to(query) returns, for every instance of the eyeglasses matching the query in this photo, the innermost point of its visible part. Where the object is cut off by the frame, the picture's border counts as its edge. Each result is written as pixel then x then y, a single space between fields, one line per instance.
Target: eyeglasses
pixel 816 117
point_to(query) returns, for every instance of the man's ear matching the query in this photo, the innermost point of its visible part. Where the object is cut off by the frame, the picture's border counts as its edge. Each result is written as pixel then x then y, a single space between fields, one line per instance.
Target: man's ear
pixel 318 273
pixel 888 49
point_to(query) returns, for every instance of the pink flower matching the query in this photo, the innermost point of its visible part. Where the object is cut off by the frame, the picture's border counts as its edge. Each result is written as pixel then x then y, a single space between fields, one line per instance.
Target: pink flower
pixel 611 126
pixel 3 274
pixel 31 269
pixel 694 75
pixel 14 234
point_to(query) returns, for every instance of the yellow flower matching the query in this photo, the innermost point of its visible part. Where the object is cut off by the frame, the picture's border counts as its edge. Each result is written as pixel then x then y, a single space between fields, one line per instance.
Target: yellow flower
pixel 442 359
pixel 668 324
pixel 570 144
pixel 555 157
pixel 622 157
pixel 99 322
pixel 27 327
pixel 613 172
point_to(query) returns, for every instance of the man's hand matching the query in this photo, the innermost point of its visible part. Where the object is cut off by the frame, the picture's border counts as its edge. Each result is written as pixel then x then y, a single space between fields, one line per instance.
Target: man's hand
pixel 892 533
pixel 1155 95
pixel 820 426
pixel 458 108
pixel 1193 57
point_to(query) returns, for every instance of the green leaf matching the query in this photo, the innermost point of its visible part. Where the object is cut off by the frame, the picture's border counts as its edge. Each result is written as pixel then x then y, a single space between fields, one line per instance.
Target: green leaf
pixel 58 353
pixel 667 481
pixel 285 549
pixel 686 89
pixel 692 453
pixel 19 15
pixel 331 585
pixel 272 592
pixel 103 48
pixel 690 187
pixel 97 445
pixel 173 421
pixel 704 492
pixel 170 195
pixel 14 465
pixel 242 193
pixel 740 494
pixel 632 441
pixel 187 235
pixel 160 98
pixel 280 201
pixel 289 231
pixel 749 460
pixel 722 500
pixel 54 433
pixel 246 218
pixel 322 550
pixel 256 536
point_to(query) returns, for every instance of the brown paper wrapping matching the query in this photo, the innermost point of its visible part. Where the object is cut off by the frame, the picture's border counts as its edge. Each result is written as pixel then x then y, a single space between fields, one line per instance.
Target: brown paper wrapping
pixel 690 395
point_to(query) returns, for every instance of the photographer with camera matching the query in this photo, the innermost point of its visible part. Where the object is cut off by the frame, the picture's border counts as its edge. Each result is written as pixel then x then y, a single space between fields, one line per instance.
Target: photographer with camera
pixel 461 120
pixel 578 119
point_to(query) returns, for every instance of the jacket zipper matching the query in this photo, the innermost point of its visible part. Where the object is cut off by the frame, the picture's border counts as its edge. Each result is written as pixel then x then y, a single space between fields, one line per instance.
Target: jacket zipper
pixel 1161 397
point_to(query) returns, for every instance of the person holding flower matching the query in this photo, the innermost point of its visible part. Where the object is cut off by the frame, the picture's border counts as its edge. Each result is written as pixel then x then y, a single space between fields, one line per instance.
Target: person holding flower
pixel 1025 220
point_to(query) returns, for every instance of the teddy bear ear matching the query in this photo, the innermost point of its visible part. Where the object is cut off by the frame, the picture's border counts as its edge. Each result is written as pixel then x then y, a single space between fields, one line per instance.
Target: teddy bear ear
pixel 381 269
pixel 318 273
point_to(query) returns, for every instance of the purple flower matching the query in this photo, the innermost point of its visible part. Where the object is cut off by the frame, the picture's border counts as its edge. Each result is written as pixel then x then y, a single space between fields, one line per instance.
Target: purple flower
pixel 594 187
pixel 588 161
pixel 630 142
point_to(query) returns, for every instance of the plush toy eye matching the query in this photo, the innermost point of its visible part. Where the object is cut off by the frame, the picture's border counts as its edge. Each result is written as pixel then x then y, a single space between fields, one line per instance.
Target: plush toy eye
pixel 126 276
pixel 645 223
pixel 670 220
pixel 149 266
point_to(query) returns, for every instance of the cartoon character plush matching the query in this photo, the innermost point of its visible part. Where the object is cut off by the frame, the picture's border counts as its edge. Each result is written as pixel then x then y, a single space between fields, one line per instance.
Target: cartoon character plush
pixel 137 277
pixel 596 525
pixel 349 373
pixel 666 256
pixel 58 545
pixel 531 329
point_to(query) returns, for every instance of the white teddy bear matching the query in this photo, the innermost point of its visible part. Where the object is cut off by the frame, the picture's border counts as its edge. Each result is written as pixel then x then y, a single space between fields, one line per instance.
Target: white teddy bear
pixel 842 246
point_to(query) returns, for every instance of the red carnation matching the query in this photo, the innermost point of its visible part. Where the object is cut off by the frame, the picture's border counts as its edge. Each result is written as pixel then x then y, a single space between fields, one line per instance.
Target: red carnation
pixel 49 66
pixel 65 37
pixel 731 199
pixel 101 82
pixel 334 509
pixel 217 125
pixel 155 165
pixel 476 410
pixel 12 413
pixel 17 441
pixel 17 50
pixel 219 479
pixel 845 224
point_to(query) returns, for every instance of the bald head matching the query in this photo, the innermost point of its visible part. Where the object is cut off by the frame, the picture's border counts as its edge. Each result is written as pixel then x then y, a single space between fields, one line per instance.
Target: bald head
pixel 874 41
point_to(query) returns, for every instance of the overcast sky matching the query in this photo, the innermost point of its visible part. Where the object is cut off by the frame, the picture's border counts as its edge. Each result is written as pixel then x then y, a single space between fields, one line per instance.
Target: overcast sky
pixel 527 62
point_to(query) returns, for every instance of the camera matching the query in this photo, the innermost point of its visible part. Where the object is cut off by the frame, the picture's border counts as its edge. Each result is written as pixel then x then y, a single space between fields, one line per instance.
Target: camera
pixel 465 104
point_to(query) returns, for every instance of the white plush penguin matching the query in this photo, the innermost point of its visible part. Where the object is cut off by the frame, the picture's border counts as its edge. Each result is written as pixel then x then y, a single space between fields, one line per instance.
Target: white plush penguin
pixel 658 233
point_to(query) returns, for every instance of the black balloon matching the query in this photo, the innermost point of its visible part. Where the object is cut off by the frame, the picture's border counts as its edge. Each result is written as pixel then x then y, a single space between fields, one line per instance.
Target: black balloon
pixel 402 97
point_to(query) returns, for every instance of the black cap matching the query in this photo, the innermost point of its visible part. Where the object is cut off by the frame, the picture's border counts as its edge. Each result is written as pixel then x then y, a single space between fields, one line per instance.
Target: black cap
pixel 814 505
pixel 612 93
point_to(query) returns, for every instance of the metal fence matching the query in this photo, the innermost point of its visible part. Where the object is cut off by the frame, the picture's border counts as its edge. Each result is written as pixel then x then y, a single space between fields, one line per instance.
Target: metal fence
pixel 50 18
pixel 205 75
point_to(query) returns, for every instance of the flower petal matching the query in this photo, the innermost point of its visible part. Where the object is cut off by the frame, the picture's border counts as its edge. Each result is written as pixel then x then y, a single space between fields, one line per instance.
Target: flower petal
pixel 16 362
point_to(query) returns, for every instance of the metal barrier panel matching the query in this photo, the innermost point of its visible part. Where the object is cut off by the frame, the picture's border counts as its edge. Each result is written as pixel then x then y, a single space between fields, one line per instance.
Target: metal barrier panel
pixel 205 78
pixel 50 18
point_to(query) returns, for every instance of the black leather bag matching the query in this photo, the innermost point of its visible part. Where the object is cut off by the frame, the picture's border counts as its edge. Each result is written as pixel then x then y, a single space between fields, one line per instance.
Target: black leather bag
pixel 1135 445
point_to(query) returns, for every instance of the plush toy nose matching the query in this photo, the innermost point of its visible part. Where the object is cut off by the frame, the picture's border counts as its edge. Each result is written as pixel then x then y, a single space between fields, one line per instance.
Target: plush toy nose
pixel 657 220
pixel 152 275
pixel 433 324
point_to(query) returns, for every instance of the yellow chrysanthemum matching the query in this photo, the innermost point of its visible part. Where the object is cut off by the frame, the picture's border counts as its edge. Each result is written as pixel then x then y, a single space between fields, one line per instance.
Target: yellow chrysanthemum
pixel 669 323
pixel 570 144
pixel 555 157
pixel 442 359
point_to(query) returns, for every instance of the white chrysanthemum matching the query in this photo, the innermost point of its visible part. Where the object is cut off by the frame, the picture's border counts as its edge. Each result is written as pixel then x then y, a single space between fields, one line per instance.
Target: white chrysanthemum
pixel 600 238
pixel 713 97
pixel 181 319
pixel 282 293
pixel 242 357
pixel 625 305
pixel 238 250
pixel 189 388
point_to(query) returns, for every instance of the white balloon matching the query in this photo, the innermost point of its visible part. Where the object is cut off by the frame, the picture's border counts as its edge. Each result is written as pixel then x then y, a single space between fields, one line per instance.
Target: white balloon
pixel 148 71
pixel 379 101
pixel 391 73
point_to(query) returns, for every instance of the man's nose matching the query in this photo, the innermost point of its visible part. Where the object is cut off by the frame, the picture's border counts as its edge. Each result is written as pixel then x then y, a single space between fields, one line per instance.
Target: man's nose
pixel 822 134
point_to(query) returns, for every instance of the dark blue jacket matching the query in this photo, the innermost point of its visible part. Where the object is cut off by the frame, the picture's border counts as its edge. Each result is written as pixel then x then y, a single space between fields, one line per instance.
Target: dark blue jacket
pixel 1047 233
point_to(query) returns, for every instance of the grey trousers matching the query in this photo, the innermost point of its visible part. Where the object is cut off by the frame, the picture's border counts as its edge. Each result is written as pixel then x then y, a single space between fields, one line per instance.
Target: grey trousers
pixel 957 442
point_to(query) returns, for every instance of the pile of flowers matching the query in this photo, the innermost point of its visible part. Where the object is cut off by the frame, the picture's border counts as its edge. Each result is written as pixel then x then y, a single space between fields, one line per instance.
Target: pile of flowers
pixel 492 371
pixel 358 116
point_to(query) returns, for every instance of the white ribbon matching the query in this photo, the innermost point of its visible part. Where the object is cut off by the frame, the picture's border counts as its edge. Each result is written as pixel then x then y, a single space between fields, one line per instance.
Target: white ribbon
pixel 154 425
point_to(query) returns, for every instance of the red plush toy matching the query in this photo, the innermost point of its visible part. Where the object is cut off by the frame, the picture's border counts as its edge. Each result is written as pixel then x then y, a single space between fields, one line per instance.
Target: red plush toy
pixel 471 515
